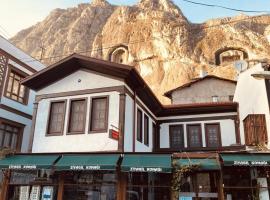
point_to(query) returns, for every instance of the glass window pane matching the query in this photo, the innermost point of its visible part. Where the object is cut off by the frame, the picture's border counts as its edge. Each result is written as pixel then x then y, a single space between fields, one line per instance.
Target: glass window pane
pixel 194 135
pixel 77 116
pixel 15 90
pixel 7 140
pixel 177 137
pixel 99 114
pixel 56 118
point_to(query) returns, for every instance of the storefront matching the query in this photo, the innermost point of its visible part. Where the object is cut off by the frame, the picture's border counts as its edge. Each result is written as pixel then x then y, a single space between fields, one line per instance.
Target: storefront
pixel 28 177
pixel 203 182
pixel 147 177
pixel 86 176
pixel 246 176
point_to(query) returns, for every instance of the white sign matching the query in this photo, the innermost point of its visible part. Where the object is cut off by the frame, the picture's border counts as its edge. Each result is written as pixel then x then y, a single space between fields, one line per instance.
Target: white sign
pixel 185 198
pixel 147 169
pixel 24 192
pixel 22 167
pixel 80 167
pixel 35 193
pixel 47 193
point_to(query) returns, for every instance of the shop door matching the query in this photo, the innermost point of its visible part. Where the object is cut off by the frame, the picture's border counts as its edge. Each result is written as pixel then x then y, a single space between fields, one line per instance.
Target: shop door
pixel 200 186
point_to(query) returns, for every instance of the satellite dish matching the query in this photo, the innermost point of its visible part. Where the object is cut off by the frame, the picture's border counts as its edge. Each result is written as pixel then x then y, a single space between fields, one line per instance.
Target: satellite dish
pixel 240 65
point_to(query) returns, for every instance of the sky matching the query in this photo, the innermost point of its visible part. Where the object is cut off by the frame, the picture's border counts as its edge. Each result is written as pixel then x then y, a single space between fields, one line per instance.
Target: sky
pixel 16 15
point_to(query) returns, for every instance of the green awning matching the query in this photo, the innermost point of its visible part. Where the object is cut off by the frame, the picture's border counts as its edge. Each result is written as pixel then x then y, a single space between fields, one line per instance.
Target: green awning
pixel 87 162
pixel 246 159
pixel 28 162
pixel 147 163
pixel 203 163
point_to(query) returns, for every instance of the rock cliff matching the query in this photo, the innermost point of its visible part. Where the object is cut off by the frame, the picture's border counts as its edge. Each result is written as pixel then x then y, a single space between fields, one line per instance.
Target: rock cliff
pixel 153 35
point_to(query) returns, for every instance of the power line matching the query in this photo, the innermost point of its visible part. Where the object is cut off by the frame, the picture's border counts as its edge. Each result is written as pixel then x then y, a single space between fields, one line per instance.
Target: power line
pixel 227 8
pixel 198 27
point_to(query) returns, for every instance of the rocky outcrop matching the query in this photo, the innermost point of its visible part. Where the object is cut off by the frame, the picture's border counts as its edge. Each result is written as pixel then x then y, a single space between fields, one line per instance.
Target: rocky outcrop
pixel 165 47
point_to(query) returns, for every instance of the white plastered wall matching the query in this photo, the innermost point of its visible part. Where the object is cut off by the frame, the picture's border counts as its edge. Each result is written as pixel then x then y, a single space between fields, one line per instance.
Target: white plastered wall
pixel 81 80
pixel 87 142
pixel 129 121
pixel 227 130
pixel 252 98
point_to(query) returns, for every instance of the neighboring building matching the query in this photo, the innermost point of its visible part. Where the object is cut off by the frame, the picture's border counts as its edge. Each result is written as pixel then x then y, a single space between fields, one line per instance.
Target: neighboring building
pixel 16 100
pixel 208 88
pixel 253 95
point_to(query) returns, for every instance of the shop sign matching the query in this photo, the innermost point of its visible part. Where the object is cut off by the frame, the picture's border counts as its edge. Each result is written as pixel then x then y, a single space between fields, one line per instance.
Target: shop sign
pixel 185 198
pixel 47 193
pixel 250 163
pixel 35 193
pixel 24 192
pixel 81 167
pixel 22 167
pixel 145 169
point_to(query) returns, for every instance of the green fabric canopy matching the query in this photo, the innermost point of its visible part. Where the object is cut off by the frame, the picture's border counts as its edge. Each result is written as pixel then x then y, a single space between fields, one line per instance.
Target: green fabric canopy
pixel 28 162
pixel 203 163
pixel 147 163
pixel 246 159
pixel 87 162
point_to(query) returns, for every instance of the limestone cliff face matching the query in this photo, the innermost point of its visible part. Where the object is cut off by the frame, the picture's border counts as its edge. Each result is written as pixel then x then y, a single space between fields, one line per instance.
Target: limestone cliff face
pixel 153 35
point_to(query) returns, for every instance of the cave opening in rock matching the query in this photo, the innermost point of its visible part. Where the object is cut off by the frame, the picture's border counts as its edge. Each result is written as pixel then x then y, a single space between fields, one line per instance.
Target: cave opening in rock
pixel 229 55
pixel 119 55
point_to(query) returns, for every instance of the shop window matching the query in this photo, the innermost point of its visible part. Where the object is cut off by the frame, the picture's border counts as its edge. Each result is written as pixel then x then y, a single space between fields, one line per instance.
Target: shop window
pixel 148 186
pixel 194 133
pixel 238 183
pixel 200 185
pixel 14 89
pixel 177 137
pixel 77 115
pixel 255 129
pixel 56 118
pixel 212 134
pixel 99 114
pixel 139 125
pixel 94 186
pixel 26 185
pixel 146 130
pixel 10 136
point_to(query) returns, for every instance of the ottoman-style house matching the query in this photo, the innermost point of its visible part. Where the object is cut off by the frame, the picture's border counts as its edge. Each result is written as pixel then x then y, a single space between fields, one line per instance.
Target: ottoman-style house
pixel 16 100
pixel 99 132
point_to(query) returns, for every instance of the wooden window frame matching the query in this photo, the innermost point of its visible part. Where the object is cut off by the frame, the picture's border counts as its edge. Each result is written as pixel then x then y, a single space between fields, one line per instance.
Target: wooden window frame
pixel 146 130
pixel 20 133
pixel 188 135
pixel 105 130
pixel 22 74
pixel 171 138
pixel 139 137
pixel 219 134
pixel 69 116
pixel 49 118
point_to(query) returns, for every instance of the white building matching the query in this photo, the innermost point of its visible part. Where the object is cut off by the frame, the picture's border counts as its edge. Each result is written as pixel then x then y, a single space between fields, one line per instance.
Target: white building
pixel 16 101
pixel 90 105
pixel 252 94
